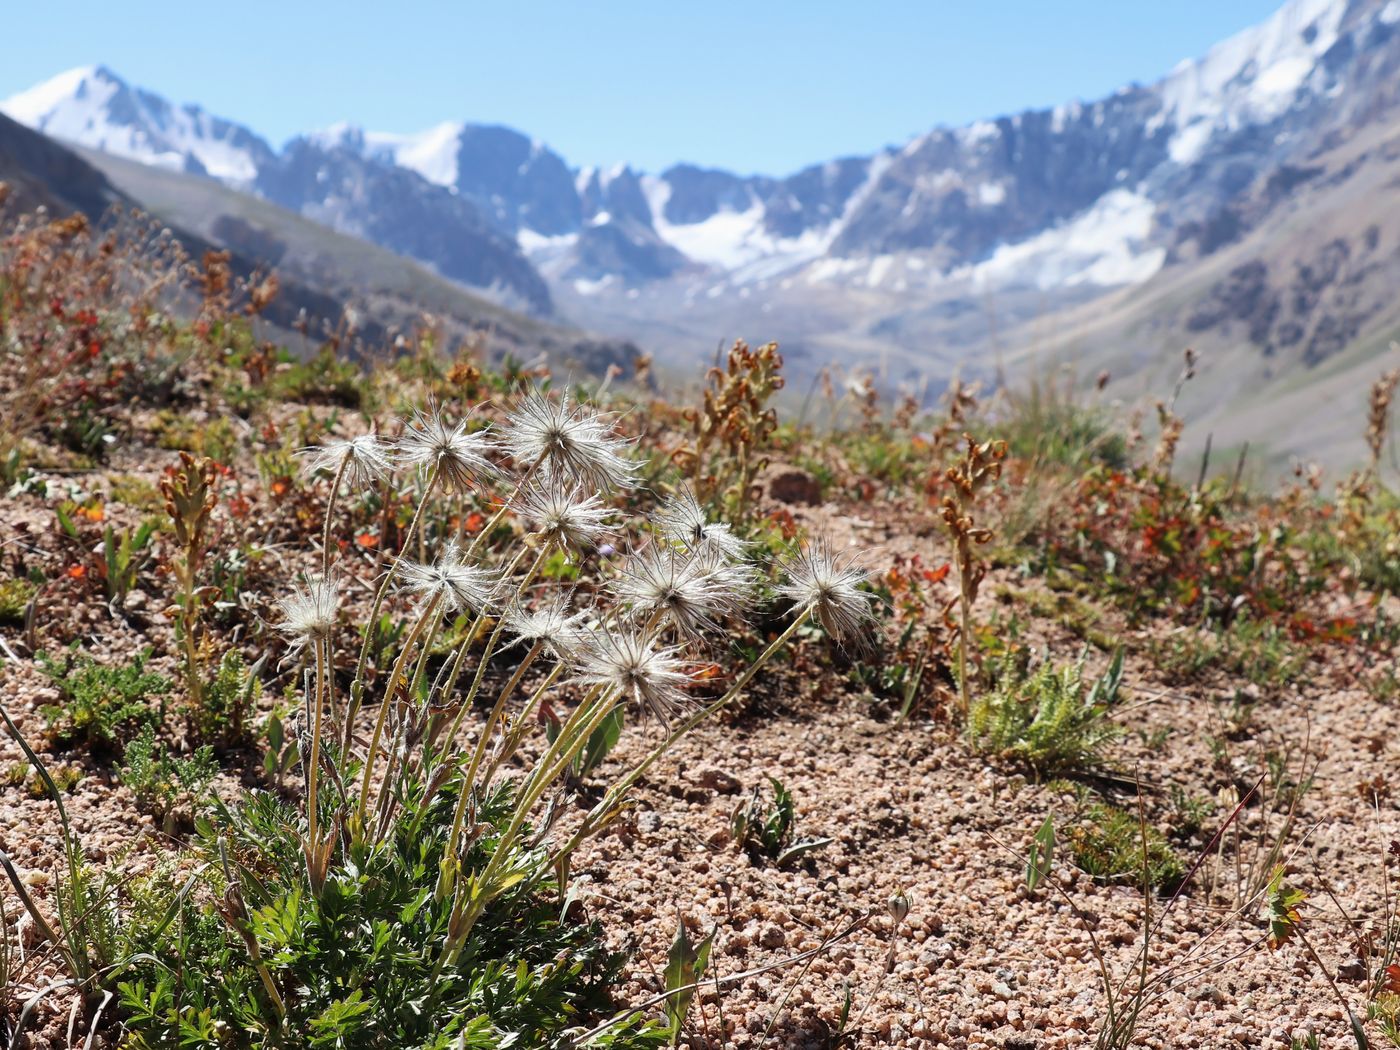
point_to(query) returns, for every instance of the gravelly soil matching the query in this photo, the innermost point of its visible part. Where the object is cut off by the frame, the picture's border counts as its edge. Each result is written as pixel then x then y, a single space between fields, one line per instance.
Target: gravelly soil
pixel 980 961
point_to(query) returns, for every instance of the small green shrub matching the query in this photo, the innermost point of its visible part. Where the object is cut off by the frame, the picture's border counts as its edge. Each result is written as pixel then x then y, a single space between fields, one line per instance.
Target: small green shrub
pixel 360 963
pixel 226 701
pixel 217 439
pixel 163 783
pixel 100 706
pixel 1045 718
pixel 1257 651
pixel 323 378
pixel 135 492
pixel 65 779
pixel 123 557
pixel 1108 843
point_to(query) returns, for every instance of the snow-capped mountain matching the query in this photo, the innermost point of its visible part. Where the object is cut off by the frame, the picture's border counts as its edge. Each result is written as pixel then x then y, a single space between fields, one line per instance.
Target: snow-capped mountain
pixel 96 108
pixel 870 253
pixel 391 205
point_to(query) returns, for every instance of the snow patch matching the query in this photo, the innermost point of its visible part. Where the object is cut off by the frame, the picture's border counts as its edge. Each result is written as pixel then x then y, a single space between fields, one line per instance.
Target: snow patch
pixel 534 243
pixel 1104 245
pixel 739 242
pixel 431 153
pixel 1252 77
pixel 583 286
pixel 978 132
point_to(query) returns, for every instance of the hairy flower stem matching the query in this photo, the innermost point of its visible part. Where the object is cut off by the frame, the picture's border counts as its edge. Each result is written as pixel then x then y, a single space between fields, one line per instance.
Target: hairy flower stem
pixel 313 771
pixel 490 649
pixel 609 802
pixel 459 814
pixel 330 514
pixel 515 731
pixel 395 748
pixel 357 684
pixel 567 737
pixel 547 770
pixel 497 709
pixel 371 753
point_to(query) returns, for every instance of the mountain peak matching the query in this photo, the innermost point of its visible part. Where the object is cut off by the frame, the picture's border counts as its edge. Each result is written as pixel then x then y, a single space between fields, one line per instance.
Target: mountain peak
pixel 94 107
pixel 33 105
pixel 1251 77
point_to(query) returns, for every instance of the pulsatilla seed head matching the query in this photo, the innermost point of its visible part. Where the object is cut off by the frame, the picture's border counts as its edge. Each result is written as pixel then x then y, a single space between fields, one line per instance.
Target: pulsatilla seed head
pixel 310 613
pixel 365 460
pixel 572 440
pixel 460 455
pixel 564 512
pixel 682 520
pixel 450 580
pixel 631 664
pixel 829 588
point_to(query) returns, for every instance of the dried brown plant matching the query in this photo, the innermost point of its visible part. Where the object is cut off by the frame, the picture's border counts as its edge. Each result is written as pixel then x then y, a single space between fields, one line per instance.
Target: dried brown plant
pixel 979 466
pixel 190 497
pixel 1378 418
pixel 734 426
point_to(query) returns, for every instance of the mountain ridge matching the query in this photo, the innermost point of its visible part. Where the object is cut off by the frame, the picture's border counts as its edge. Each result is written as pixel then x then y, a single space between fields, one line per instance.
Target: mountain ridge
pixel 954 194
pixel 913 262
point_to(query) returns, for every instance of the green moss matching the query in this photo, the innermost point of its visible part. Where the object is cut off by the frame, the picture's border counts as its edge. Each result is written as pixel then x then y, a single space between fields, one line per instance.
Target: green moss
pixel 15 596
pixel 138 493
pixel 1108 843
pixel 216 439
pixel 1078 617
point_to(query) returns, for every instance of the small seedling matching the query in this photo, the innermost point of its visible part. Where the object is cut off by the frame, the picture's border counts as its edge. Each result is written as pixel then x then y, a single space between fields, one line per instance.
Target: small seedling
pixel 123 556
pixel 165 784
pixel 767 830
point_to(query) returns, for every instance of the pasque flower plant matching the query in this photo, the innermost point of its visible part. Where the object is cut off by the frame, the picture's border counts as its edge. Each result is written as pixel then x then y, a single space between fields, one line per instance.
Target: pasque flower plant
pixel 408 797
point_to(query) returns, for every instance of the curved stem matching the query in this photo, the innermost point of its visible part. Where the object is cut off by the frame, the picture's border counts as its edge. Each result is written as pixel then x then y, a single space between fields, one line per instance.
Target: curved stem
pixel 357 684
pixel 516 730
pixel 618 790
pixel 394 676
pixel 494 717
pixel 330 512
pixel 313 772
pixel 495 519
pixel 550 766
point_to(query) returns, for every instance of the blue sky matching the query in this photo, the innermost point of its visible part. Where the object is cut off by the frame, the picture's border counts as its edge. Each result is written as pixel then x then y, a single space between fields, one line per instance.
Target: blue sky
pixel 750 86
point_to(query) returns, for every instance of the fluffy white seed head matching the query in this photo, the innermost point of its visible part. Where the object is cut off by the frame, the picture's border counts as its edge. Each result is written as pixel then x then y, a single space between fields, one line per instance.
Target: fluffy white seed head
pixel 630 663
pixel 828 588
pixel 310 613
pixel 690 593
pixel 571 439
pixel 457 584
pixel 564 513
pixel 552 626
pixel 365 459
pixel 682 521
pixel 460 456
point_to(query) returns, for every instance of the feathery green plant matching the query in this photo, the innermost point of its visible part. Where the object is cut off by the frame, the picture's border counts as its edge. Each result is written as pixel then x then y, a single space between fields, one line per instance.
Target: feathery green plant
pixel 1045 717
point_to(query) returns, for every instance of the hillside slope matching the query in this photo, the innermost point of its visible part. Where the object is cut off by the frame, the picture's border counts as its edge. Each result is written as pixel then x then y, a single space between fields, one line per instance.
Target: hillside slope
pixel 1293 321
pixel 322 274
